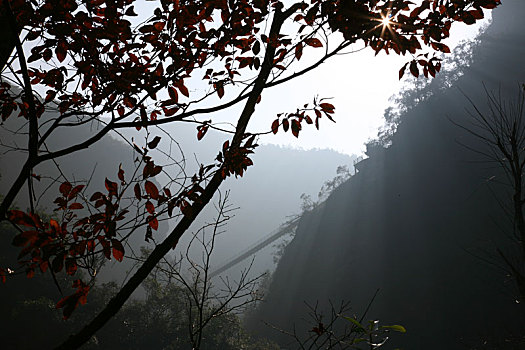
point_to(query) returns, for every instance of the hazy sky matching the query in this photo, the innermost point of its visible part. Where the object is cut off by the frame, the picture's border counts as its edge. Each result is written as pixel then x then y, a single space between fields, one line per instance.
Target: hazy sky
pixel 360 85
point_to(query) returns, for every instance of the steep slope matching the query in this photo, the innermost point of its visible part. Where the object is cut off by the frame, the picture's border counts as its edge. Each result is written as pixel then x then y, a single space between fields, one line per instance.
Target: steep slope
pixel 411 220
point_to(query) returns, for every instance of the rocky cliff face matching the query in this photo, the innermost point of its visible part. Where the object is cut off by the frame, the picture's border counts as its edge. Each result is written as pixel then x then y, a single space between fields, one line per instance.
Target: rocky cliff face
pixel 417 221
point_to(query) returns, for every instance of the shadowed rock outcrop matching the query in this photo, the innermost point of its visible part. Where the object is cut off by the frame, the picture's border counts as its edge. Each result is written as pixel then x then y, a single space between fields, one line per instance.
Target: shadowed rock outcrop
pixel 417 222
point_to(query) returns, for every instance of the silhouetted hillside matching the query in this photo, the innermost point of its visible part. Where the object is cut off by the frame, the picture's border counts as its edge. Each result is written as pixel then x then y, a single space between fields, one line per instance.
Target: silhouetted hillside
pixel 413 220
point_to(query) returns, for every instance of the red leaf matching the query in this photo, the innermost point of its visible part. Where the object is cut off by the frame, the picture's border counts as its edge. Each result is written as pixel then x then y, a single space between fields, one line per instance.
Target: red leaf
pixel 296 127
pixel 173 94
pixel 71 266
pixel 34 57
pixel 202 129
pixel 63 302
pixel 112 187
pixel 245 61
pixel 286 125
pixel 60 52
pixel 413 69
pixel 73 193
pixel 298 51
pixel 44 266
pixel 150 170
pixel 55 226
pixel 118 249
pixel 314 42
pixel 402 71
pixel 105 247
pixel 492 5
pixel 138 195
pixel 168 112
pixel 70 302
pixel 47 54
pixel 156 170
pixel 50 95
pixel 159 25
pixel 96 196
pixel 150 207
pixel 220 91
pixel 90 245
pixel 75 206
pixel 151 189
pixel 120 174
pixel 64 188
pixel 186 208
pixel 153 222
pixel 20 218
pixel 327 107
pixel 182 88
pixel 256 48
pixel 275 126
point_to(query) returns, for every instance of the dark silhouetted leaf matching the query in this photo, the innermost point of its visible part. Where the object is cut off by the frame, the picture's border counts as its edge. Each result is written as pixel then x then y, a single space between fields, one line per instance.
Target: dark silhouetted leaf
pixel 286 125
pixel 64 188
pixel 296 128
pixel 202 129
pixel 154 143
pixel 314 42
pixel 118 249
pixel 413 69
pixel 137 191
pixel 275 126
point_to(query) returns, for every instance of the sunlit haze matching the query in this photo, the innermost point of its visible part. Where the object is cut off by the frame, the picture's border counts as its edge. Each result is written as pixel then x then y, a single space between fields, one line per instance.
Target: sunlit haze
pixel 358 84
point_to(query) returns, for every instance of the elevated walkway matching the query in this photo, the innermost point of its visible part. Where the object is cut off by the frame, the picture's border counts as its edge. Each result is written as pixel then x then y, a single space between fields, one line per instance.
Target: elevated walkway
pixel 286 228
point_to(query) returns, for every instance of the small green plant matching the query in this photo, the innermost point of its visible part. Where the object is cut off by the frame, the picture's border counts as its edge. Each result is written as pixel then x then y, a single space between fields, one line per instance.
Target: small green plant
pixel 372 334
pixel 334 330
